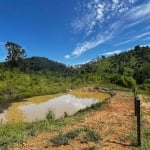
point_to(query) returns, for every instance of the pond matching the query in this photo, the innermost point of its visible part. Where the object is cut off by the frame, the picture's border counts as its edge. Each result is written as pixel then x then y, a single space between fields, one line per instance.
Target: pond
pixel 29 111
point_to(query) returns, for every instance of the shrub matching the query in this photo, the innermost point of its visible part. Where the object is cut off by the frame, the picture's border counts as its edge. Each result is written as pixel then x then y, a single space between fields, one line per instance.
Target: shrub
pixel 50 115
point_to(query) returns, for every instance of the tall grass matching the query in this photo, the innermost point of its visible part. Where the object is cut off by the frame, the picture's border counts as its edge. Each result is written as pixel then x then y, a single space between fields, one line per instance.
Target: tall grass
pixel 19 132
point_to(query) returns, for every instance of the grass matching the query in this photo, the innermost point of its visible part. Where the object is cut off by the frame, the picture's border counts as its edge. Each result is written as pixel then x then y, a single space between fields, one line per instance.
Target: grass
pixel 96 106
pixel 84 134
pixel 88 94
pixel 63 139
pixel 145 143
pixel 12 133
pixel 145 135
pixel 50 115
pixel 19 132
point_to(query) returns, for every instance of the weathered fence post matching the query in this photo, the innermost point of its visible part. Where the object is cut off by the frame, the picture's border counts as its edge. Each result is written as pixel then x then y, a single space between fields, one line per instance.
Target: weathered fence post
pixel 135 105
pixel 138 122
pixel 135 101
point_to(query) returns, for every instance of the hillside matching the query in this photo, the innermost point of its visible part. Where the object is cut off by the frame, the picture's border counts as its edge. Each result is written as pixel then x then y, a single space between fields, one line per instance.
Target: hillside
pixel 38 65
pixel 40 76
pixel 121 69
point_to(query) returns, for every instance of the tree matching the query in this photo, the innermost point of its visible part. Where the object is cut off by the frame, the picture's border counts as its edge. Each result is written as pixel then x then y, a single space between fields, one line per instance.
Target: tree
pixel 15 53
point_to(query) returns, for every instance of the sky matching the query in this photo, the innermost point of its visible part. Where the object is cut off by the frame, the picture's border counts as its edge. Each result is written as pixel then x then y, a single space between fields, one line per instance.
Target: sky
pixel 74 31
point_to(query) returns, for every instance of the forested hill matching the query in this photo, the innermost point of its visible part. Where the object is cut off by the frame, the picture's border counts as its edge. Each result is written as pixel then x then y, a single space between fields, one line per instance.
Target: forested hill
pixel 38 65
pixel 42 65
pixel 134 63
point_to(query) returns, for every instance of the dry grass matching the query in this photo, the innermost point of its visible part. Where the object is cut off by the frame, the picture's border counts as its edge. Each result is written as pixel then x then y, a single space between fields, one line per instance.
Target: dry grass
pixel 87 94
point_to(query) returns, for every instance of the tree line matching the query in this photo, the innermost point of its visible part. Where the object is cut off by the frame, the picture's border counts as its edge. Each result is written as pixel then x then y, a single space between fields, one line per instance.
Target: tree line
pixel 22 77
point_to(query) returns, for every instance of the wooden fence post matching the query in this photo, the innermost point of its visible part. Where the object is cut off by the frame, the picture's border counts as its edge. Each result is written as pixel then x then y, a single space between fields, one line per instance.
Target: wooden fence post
pixel 135 105
pixel 138 122
pixel 135 101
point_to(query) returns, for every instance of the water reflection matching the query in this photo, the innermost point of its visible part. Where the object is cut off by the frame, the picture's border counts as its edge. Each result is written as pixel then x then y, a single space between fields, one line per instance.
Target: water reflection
pixel 29 111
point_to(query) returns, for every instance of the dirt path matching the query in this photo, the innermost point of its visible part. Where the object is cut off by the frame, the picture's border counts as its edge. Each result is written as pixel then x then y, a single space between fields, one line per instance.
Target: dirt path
pixel 114 123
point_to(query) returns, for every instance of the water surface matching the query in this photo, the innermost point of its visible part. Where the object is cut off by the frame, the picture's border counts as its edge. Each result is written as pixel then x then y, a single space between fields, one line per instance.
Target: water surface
pixel 30 111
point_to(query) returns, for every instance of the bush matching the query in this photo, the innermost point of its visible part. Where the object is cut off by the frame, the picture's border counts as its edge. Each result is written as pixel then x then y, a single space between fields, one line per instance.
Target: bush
pixel 124 81
pixel 50 115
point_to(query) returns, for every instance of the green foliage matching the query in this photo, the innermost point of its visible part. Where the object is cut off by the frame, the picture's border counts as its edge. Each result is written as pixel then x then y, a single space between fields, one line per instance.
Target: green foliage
pixel 96 106
pixel 124 69
pixel 19 132
pixel 60 140
pixel 65 114
pixel 64 139
pixel 39 76
pixel 91 136
pixel 15 53
pixel 15 85
pixel 50 115
pixel 128 82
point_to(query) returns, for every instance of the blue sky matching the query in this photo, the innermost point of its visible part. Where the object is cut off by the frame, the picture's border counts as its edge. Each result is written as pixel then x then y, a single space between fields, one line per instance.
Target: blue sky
pixel 74 31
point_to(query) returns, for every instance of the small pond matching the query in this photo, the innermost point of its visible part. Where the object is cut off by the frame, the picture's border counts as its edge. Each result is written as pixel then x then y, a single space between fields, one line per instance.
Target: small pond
pixel 29 111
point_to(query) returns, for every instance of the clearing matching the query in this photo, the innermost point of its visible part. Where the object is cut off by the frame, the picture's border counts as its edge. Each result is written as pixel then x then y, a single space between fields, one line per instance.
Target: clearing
pixel 114 123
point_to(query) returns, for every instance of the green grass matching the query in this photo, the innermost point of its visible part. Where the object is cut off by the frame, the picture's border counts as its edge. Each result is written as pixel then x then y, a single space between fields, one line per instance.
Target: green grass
pixel 145 140
pixel 84 134
pixel 63 139
pixel 19 132
pixel 12 133
pixel 96 106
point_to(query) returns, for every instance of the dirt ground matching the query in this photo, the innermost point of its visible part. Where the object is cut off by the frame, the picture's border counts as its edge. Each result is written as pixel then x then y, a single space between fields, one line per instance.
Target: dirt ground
pixel 114 123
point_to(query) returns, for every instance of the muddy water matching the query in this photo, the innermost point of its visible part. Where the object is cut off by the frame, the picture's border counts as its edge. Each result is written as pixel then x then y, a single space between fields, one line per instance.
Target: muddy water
pixel 30 111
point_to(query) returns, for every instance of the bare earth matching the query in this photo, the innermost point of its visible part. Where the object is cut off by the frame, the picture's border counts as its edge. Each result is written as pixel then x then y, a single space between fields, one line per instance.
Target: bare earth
pixel 114 123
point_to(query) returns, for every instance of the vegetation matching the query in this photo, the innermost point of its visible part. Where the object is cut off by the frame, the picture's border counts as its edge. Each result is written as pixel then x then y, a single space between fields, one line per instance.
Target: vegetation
pixel 18 132
pixel 85 134
pixel 124 69
pixel 39 76
pixel 15 53
pixel 22 77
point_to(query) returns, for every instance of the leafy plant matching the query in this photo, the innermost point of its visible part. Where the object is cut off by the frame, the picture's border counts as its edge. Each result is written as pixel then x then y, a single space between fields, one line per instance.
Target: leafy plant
pixel 63 139
pixel 60 140
pixel 50 115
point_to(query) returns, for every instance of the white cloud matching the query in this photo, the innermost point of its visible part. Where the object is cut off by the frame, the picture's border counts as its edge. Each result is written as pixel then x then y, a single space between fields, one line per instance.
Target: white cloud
pixel 115 1
pixel 67 56
pixel 125 42
pixel 142 35
pixel 100 21
pixel 134 23
pixel 83 47
pixel 140 11
pixel 112 52
pixel 132 1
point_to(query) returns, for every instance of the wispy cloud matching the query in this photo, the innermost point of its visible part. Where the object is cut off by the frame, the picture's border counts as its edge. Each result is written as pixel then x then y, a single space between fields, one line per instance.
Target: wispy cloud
pixel 140 11
pixel 83 47
pixel 98 17
pixel 143 35
pixel 112 52
pixel 125 42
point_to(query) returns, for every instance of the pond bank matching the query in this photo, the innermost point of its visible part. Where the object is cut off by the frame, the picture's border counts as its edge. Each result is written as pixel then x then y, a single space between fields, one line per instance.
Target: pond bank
pixel 106 127
pixel 38 106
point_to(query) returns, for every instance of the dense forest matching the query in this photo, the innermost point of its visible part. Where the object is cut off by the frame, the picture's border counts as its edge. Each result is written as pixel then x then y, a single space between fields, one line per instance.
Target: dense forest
pixel 22 77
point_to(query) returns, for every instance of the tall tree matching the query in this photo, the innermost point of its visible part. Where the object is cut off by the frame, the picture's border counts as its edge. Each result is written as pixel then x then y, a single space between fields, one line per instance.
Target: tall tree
pixel 15 53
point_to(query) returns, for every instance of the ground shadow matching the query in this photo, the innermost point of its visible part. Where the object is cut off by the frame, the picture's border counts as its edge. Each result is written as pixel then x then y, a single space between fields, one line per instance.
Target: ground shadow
pixel 123 144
